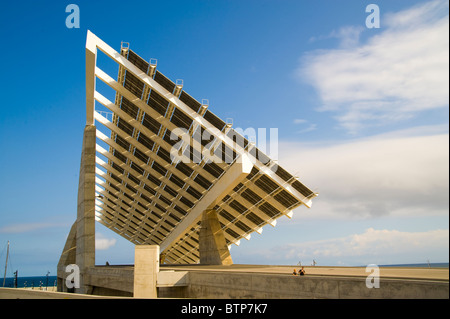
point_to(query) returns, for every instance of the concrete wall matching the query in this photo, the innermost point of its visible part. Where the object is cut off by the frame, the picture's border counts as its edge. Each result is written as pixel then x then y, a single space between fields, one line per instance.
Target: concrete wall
pixel 118 281
pixel 21 293
pixel 110 280
pixel 273 286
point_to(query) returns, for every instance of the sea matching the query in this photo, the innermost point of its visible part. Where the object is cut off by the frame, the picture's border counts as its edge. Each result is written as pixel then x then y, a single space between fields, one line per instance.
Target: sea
pixel 424 265
pixel 27 282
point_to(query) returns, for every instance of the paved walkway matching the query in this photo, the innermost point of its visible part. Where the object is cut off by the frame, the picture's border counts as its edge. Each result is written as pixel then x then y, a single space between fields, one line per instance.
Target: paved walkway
pixel 441 274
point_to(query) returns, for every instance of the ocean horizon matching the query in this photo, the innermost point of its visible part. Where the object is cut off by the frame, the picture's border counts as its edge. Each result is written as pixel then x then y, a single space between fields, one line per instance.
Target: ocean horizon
pixel 30 281
pixel 420 265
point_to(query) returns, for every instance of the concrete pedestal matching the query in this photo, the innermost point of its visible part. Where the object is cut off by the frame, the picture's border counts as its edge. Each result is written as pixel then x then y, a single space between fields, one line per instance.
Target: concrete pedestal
pixel 146 268
pixel 212 244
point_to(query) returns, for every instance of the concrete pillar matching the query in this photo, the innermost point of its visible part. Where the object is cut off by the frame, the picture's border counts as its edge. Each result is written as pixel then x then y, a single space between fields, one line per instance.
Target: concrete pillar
pixel 212 243
pixel 85 233
pixel 146 268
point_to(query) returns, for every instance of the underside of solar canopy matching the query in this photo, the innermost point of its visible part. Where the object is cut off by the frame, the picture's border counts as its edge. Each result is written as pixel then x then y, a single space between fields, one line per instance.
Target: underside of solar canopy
pixel 163 158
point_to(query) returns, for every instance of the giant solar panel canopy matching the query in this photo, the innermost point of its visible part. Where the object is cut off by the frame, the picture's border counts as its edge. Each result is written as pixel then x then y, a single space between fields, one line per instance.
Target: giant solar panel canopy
pixel 163 158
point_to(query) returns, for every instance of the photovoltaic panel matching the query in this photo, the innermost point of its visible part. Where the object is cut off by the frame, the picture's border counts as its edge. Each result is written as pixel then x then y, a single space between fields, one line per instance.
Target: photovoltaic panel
pixel 285 199
pixel 214 120
pixel 165 82
pixel 129 108
pixel 180 119
pixel 157 102
pixel 147 193
pixel 190 101
pixel 302 189
pixel 138 61
pixel 251 196
pixel 134 84
pixel 152 124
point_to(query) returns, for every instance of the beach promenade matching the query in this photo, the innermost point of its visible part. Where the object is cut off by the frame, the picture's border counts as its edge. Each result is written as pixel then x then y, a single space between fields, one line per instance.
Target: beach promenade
pixel 264 282
pixel 385 272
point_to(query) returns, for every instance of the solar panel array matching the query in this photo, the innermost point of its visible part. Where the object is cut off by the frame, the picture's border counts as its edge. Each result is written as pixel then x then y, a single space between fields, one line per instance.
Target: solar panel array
pixel 143 193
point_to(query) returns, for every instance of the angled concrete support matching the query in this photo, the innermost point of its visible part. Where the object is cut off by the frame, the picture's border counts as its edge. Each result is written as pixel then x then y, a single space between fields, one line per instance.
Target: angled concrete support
pixel 85 224
pixel 212 244
pixel 68 257
pixel 237 172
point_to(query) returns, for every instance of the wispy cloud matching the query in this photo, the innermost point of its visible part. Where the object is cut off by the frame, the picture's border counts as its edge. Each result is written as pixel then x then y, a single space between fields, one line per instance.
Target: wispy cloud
pixel 309 128
pixel 103 243
pixel 378 246
pixel 402 70
pixel 348 36
pixel 300 121
pixel 399 174
pixel 28 227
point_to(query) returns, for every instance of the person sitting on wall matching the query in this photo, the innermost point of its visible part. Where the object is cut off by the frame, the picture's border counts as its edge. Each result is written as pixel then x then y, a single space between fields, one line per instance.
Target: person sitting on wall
pixel 294 272
pixel 302 272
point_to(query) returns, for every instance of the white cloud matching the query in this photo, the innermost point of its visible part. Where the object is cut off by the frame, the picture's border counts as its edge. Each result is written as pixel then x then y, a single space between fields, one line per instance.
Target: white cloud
pixel 348 36
pixel 300 121
pixel 28 227
pixel 372 246
pixel 309 128
pixel 390 174
pixel 397 73
pixel 103 243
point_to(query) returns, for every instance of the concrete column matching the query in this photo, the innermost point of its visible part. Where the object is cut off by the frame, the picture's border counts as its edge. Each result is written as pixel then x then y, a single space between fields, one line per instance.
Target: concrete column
pixel 213 246
pixel 146 268
pixel 85 233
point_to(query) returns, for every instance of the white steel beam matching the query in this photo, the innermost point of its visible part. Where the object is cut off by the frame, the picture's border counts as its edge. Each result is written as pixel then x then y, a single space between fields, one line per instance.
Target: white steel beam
pixel 91 61
pixel 233 176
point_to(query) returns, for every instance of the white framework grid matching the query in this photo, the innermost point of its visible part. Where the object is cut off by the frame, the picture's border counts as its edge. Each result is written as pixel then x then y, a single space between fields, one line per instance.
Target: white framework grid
pixel 150 197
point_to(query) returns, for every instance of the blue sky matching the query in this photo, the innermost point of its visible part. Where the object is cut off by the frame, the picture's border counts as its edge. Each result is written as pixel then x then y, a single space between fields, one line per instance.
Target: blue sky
pixel 362 117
